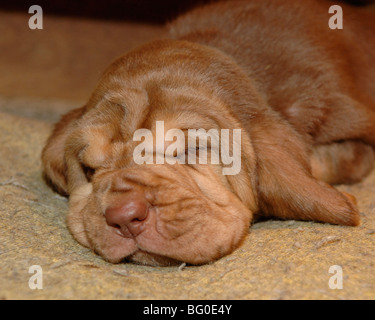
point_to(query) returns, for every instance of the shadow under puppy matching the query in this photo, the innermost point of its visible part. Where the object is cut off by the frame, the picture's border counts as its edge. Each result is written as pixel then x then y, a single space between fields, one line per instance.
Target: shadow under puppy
pixel 302 94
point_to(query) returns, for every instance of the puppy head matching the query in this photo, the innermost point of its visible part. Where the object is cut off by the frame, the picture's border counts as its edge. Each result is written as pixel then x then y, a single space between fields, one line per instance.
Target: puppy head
pixel 152 213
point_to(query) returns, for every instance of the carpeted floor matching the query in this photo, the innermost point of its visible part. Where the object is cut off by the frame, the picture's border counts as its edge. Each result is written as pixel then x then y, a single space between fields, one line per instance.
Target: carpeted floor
pixel 46 72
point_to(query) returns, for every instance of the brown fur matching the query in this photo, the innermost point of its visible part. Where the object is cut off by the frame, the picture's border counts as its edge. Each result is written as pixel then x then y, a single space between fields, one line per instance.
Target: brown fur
pixel 303 95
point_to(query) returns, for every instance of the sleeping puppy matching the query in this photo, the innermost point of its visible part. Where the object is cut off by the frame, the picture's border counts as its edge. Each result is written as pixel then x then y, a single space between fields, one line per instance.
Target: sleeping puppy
pixel 301 94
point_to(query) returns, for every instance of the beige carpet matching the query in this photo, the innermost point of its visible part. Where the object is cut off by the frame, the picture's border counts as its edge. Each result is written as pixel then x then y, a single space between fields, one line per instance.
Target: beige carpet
pixel 44 73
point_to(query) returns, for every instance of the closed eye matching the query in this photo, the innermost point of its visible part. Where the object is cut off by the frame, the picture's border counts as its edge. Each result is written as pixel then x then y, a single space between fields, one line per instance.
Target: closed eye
pixel 193 150
pixel 198 155
pixel 88 171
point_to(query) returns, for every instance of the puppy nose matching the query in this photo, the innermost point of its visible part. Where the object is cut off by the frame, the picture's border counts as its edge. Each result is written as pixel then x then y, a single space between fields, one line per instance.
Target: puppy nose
pixel 128 215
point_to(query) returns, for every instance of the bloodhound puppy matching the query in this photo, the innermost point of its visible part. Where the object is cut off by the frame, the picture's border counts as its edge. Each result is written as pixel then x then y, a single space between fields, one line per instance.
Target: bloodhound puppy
pixel 301 95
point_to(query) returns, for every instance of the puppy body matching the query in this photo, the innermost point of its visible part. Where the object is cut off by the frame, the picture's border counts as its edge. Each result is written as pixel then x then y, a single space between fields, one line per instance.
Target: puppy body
pixel 315 77
pixel 302 94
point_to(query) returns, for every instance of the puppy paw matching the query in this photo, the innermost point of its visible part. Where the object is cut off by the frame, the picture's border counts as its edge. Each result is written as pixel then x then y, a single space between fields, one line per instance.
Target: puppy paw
pixel 348 215
pixel 335 207
pixel 351 198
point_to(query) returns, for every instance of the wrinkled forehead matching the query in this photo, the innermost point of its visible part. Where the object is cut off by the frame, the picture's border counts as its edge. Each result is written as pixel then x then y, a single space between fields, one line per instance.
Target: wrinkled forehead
pixel 106 131
pixel 124 110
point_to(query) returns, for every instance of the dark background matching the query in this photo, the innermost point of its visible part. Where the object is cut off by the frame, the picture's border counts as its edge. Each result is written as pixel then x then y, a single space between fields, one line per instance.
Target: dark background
pixel 155 11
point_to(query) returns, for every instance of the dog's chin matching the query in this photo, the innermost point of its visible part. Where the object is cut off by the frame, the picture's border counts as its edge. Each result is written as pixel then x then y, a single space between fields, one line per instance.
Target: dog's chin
pixel 151 259
pixel 118 254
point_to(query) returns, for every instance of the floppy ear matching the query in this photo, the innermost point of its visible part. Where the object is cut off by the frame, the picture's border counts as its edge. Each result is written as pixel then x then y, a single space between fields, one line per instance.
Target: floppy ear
pixel 53 153
pixel 286 187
